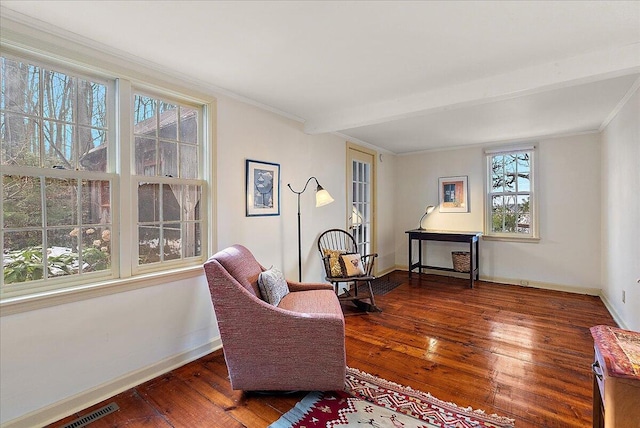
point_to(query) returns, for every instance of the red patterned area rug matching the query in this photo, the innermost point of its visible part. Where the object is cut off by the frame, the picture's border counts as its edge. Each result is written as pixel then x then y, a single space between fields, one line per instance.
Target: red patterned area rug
pixel 370 401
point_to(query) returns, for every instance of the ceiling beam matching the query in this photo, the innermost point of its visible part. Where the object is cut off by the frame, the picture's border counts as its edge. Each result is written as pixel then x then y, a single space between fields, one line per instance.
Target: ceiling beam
pixel 572 71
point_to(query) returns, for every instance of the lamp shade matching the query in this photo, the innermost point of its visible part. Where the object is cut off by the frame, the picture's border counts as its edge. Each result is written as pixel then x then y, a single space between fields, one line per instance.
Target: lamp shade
pixel 322 197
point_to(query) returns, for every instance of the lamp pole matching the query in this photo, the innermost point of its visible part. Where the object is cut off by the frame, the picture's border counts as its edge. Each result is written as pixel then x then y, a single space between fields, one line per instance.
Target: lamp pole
pixel 322 198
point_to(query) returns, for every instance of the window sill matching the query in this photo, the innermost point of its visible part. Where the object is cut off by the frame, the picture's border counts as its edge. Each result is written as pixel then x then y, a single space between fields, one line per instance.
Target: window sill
pixel 16 305
pixel 510 239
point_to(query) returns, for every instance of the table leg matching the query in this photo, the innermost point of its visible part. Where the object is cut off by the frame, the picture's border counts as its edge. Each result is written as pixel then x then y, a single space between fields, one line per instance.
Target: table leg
pixel 420 256
pixel 410 257
pixel 471 264
pixel 478 259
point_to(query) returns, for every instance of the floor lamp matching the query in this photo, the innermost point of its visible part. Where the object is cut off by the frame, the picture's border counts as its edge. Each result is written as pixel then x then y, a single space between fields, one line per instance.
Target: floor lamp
pixel 322 198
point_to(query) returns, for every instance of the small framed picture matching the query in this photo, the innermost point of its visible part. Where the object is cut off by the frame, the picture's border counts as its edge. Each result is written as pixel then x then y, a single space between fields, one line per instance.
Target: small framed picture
pixel 262 188
pixel 454 195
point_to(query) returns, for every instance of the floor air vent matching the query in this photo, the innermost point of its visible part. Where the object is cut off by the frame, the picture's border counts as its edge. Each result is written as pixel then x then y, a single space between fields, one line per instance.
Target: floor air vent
pixel 93 416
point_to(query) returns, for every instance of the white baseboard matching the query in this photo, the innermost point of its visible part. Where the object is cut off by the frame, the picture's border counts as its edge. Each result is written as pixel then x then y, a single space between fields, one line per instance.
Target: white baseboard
pixel 78 402
pixel 545 285
pixel 533 284
pixel 386 271
pixel 612 311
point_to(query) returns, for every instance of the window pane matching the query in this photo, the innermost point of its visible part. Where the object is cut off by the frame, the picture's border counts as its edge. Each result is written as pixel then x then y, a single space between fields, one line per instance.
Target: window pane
pixel 524 214
pixel 510 173
pixel 188 125
pixel 511 214
pixel 188 161
pixel 58 145
pixel 497 173
pixel 20 87
pixel 146 156
pixel 524 173
pixel 172 241
pixel 168 159
pixel 22 202
pixel 524 184
pixel 168 121
pixel 58 93
pixel 191 240
pixel 524 165
pixel 148 244
pixel 144 116
pixel 172 195
pixel 92 104
pixel 62 256
pixel 93 149
pixel 191 204
pixel 96 202
pixel 148 202
pixel 23 256
pixel 497 214
pixel 96 249
pixel 20 140
pixel 62 201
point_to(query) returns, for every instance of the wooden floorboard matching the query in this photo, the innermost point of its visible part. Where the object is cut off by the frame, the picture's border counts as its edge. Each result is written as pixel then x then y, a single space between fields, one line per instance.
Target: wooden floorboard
pixel 519 352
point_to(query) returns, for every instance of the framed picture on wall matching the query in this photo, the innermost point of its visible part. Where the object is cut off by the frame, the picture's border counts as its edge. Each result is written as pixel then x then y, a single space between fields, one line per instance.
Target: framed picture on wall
pixel 454 194
pixel 262 188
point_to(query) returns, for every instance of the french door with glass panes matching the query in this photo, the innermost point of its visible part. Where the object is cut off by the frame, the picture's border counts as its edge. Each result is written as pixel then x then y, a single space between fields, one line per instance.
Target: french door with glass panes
pixel 361 197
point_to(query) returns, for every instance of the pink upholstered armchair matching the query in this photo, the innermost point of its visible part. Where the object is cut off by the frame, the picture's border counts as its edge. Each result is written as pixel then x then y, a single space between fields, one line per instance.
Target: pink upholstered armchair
pixel 297 345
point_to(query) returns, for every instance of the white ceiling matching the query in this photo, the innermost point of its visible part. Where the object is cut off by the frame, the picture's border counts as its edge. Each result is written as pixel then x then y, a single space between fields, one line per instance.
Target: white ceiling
pixel 403 76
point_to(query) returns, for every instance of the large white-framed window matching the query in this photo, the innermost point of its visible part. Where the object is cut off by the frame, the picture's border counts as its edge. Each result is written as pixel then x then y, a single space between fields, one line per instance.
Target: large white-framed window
pixel 168 179
pixel 510 198
pixel 102 181
pixel 56 219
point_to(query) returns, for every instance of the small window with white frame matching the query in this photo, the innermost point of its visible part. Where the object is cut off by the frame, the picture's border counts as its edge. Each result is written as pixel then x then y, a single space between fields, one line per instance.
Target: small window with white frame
pixel 510 201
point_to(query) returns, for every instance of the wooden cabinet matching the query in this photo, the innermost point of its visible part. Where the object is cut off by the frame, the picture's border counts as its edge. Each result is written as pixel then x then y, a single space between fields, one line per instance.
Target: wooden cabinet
pixel 616 378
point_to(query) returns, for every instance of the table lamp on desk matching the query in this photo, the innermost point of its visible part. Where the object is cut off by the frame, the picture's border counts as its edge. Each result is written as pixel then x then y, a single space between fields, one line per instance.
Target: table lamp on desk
pixel 427 211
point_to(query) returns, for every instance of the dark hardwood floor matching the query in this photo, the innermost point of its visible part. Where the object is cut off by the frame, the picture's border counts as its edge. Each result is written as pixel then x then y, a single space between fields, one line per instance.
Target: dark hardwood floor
pixel 519 352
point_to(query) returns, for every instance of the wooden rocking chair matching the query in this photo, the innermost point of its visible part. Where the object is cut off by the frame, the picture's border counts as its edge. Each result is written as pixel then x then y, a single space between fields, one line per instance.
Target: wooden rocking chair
pixel 333 245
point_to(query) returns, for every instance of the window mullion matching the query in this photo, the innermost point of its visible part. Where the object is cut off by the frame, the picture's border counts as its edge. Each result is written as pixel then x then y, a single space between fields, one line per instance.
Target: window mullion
pixel 128 188
pixel 43 228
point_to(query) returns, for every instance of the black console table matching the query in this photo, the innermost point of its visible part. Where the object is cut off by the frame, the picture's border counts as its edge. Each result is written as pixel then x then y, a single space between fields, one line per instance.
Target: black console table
pixel 471 238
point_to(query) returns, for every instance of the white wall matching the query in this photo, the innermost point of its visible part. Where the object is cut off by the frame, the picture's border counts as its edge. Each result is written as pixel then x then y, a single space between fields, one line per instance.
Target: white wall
pixel 385 212
pixel 51 355
pixel 247 132
pixel 568 253
pixel 621 213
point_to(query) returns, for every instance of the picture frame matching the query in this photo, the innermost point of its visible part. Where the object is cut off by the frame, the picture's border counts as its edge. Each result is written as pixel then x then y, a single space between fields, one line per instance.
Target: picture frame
pixel 454 194
pixel 262 188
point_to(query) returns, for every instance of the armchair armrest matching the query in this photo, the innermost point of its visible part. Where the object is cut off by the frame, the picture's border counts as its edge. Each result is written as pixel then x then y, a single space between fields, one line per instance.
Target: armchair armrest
pixel 303 286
